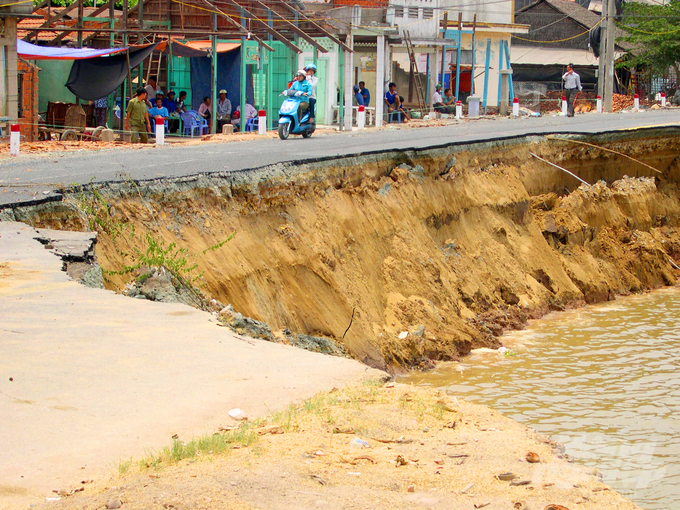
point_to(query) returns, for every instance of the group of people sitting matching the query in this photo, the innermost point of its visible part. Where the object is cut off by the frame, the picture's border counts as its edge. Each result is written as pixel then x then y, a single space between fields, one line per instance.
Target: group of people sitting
pixel 445 103
pixel 151 103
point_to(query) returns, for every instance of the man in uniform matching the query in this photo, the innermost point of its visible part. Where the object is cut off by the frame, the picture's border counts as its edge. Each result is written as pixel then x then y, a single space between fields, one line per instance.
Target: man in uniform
pixel 137 117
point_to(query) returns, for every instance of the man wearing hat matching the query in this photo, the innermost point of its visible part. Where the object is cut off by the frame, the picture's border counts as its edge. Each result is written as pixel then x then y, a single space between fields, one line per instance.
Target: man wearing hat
pixel 438 100
pixel 223 110
pixel 572 86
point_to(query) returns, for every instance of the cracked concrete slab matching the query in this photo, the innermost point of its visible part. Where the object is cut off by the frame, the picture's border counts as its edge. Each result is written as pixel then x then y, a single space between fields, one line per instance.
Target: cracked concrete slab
pixel 89 378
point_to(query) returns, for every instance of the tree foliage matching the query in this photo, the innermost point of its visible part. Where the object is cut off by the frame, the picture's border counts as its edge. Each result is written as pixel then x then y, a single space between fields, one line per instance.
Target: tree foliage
pixel 654 32
pixel 88 3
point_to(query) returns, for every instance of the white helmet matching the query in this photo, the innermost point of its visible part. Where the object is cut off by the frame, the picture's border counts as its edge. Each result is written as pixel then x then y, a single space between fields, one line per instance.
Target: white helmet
pixel 302 72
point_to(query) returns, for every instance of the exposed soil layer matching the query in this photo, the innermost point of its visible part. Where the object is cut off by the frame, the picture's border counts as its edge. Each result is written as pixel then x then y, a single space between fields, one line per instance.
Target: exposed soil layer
pixel 368 447
pixel 405 257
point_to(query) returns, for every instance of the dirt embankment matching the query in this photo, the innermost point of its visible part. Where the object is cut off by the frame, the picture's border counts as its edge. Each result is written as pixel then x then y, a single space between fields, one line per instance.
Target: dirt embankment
pixel 409 257
pixel 369 447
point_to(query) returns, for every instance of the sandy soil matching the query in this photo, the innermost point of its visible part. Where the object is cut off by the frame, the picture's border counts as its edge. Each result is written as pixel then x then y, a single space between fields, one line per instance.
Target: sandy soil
pixel 425 449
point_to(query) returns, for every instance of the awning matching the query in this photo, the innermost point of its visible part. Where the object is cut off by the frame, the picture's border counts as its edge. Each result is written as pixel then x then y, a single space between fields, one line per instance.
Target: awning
pixel 30 51
pixel 194 48
pixel 98 77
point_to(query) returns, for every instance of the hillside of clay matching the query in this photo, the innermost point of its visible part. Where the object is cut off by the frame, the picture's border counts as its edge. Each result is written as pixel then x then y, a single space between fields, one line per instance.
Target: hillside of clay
pixel 451 245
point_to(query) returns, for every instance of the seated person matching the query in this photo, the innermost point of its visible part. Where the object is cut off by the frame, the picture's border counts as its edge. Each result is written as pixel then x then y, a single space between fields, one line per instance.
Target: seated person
pixel 170 103
pixel 223 110
pixel 438 101
pixel 251 112
pixel 449 100
pixel 358 97
pixel 205 111
pixel 158 111
pixel 394 101
pixel 303 91
pixel 181 106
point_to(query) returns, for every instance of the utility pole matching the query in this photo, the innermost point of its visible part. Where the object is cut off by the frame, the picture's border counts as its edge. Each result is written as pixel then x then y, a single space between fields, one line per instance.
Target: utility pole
pixel 609 83
pixel 603 50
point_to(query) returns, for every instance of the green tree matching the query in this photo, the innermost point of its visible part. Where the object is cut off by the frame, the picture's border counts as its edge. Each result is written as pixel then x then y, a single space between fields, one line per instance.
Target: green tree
pixel 88 3
pixel 654 33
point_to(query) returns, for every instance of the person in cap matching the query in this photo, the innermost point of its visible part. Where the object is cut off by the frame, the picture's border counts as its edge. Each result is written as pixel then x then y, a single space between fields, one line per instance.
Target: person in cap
pixel 438 100
pixel 310 69
pixel 223 110
pixel 572 86
pixel 137 117
pixel 303 91
pixel 358 98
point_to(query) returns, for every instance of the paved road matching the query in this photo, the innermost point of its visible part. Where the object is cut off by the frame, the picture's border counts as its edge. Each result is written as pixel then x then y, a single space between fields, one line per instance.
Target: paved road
pixel 178 160
pixel 89 378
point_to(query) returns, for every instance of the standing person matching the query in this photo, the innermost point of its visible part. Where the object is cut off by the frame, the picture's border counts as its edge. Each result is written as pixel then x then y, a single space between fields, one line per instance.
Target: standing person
pixel 313 81
pixel 137 117
pixel 358 98
pixel 572 86
pixel 150 90
pixel 365 93
pixel 223 110
pixel 101 106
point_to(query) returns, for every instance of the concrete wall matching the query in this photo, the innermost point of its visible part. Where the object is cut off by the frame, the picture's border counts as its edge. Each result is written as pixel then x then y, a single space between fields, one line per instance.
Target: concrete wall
pixel 28 111
pixel 489 12
pixel 53 75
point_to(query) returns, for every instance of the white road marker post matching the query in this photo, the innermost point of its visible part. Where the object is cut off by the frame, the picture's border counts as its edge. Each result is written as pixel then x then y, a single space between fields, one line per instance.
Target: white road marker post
pixel 160 131
pixel 14 139
pixel 361 117
pixel 515 107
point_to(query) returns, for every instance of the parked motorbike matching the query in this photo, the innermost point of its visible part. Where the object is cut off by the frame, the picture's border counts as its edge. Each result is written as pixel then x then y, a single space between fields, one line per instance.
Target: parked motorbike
pixel 289 123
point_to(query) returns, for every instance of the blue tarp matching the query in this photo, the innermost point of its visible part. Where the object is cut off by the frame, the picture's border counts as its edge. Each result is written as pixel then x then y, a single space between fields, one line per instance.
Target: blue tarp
pixel 228 78
pixel 30 51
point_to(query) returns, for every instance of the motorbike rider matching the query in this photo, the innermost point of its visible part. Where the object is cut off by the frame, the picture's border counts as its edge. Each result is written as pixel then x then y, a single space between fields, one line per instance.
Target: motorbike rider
pixel 302 91
pixel 313 81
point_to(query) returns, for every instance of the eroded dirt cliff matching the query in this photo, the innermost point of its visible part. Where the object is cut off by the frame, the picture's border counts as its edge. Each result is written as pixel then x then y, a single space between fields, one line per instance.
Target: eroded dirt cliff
pixel 408 257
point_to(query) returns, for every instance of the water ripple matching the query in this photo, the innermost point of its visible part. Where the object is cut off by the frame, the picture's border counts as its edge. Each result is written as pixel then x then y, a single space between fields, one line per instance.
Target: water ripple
pixel 605 381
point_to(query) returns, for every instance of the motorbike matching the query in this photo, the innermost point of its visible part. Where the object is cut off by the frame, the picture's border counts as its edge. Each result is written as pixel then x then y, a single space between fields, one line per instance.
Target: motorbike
pixel 289 123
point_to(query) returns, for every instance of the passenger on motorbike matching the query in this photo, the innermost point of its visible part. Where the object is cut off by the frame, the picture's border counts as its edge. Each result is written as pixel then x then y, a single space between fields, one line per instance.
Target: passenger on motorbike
pixel 313 81
pixel 302 91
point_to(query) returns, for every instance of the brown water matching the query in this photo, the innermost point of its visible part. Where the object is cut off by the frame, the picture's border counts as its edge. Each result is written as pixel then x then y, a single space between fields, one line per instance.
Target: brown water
pixel 604 380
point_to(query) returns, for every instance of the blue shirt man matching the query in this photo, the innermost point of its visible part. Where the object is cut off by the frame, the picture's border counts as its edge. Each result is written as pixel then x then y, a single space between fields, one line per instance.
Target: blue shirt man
pixel 358 98
pixel 170 103
pixel 365 93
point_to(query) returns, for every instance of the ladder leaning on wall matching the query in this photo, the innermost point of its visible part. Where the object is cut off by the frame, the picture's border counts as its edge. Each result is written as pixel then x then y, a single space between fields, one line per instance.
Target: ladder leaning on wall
pixel 416 75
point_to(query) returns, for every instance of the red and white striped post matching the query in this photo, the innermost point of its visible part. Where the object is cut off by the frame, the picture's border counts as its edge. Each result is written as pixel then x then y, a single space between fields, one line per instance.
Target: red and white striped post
pixel 515 107
pixel 564 105
pixel 160 130
pixel 599 104
pixel 663 100
pixel 14 139
pixel 459 109
pixel 262 122
pixel 361 117
pixel 636 102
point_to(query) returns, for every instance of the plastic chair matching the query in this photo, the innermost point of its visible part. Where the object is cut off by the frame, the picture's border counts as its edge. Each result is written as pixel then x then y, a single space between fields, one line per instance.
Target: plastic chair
pixel 252 124
pixel 190 123
pixel 203 123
